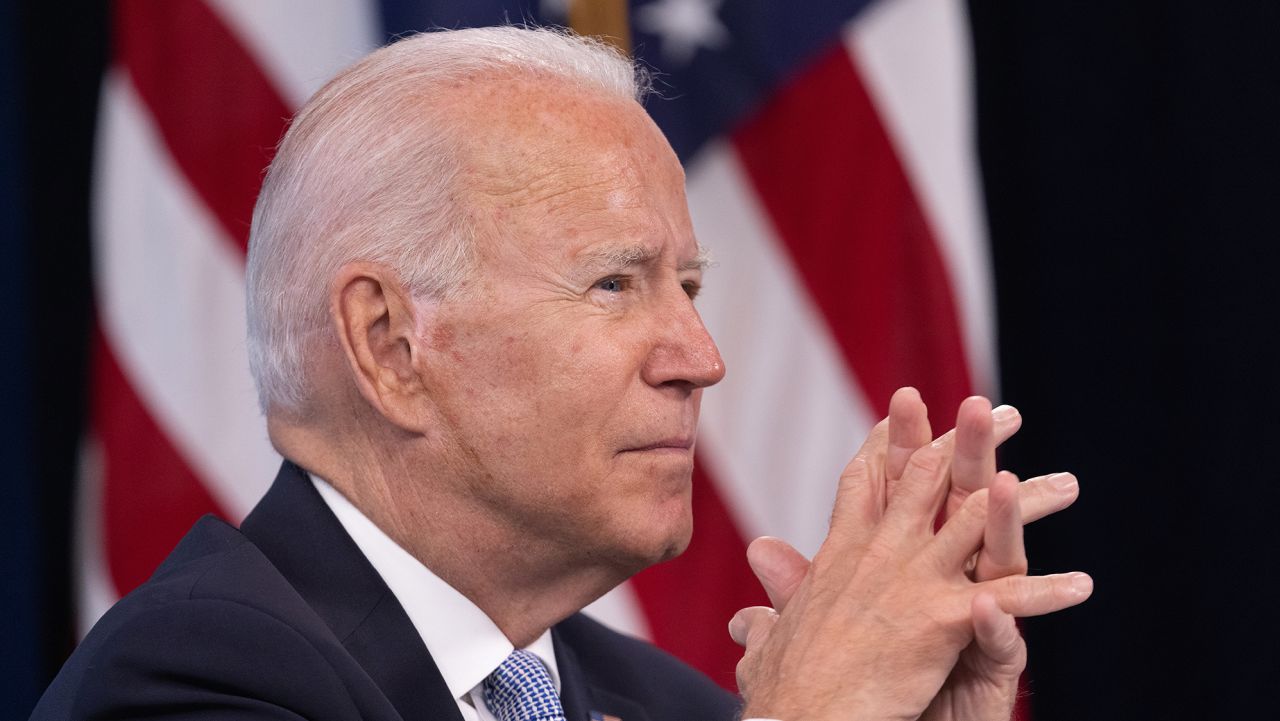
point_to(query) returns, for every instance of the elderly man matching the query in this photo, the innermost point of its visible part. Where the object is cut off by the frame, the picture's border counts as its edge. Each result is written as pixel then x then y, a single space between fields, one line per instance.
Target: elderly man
pixel 471 282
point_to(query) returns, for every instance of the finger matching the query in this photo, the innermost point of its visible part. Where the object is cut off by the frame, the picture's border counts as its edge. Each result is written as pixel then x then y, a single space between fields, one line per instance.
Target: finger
pixel 974 465
pixel 779 567
pixel 961 536
pixel 914 504
pixel 963 533
pixel 978 426
pixel 860 497
pixel 1003 553
pixel 751 624
pixel 996 634
pixel 908 430
pixel 1024 596
pixel 1045 495
pixel 1006 421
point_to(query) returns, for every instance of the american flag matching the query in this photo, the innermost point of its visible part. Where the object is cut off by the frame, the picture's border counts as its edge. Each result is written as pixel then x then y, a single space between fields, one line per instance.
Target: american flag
pixel 830 153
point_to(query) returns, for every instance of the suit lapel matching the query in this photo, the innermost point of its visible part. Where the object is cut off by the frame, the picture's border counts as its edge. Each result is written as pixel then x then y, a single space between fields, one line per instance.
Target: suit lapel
pixel 584 701
pixel 296 530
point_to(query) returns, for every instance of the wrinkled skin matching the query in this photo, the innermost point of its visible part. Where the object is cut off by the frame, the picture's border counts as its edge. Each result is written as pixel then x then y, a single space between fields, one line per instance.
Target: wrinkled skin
pixel 895 621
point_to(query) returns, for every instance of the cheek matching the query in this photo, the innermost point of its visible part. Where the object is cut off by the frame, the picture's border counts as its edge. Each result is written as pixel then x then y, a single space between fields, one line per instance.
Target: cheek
pixel 548 391
pixel 535 393
pixel 586 373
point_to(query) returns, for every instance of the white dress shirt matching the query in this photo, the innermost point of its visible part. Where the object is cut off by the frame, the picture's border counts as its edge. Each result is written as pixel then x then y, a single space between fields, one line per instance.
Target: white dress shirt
pixel 464 643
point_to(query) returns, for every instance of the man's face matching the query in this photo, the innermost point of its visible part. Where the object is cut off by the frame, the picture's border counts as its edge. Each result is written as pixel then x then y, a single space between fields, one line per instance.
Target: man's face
pixel 569 371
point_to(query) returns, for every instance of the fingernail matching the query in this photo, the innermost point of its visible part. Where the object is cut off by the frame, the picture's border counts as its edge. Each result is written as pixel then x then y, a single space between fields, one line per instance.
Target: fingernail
pixel 1064 482
pixel 1081 584
pixel 1004 413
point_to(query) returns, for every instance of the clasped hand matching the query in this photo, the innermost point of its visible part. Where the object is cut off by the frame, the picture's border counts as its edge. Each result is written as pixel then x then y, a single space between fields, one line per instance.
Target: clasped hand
pixel 895 617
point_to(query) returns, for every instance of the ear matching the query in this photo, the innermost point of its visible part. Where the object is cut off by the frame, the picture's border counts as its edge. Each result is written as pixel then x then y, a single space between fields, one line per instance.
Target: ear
pixel 375 320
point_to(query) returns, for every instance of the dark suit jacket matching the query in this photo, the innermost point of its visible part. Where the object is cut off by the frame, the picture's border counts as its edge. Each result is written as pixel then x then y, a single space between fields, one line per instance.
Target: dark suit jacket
pixel 285 619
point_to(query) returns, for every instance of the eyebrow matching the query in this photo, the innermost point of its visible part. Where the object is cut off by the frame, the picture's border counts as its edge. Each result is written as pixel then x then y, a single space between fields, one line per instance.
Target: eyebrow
pixel 701 261
pixel 630 255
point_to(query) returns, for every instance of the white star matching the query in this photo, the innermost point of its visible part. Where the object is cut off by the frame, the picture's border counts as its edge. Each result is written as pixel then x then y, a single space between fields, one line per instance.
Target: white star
pixel 684 26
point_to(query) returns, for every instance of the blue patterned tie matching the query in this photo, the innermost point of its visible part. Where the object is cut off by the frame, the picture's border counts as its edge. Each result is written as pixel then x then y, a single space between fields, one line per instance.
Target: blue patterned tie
pixel 521 690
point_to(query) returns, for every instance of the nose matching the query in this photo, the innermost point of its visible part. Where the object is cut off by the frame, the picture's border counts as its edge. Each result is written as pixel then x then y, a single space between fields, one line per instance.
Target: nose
pixel 683 353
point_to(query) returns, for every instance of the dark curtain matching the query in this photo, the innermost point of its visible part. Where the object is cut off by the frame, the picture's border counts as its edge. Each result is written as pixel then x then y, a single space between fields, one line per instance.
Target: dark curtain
pixel 1131 160
pixel 54 55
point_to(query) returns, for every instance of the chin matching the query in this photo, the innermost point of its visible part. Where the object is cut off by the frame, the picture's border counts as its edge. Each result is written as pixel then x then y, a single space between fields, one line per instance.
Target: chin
pixel 671 552
pixel 679 542
pixel 662 538
pixel 675 539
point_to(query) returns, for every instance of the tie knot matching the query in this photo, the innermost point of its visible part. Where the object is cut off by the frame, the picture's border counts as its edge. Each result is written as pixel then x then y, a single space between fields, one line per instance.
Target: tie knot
pixel 521 690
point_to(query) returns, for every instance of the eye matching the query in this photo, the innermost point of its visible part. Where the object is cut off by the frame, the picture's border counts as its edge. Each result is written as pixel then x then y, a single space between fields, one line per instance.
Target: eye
pixel 691 288
pixel 614 284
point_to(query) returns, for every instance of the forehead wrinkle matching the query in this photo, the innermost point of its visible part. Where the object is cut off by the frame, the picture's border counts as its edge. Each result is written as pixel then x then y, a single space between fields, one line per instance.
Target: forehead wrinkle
pixel 549 171
pixel 557 188
pixel 523 177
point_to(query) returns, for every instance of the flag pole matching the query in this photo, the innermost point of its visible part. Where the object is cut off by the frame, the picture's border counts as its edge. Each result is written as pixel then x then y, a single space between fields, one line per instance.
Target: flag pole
pixel 605 19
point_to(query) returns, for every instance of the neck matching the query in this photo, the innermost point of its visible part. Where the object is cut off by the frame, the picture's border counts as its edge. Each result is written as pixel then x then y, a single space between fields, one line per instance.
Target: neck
pixel 520 581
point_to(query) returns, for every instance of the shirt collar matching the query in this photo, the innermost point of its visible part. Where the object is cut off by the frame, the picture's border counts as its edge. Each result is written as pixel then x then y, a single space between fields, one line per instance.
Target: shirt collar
pixel 463 641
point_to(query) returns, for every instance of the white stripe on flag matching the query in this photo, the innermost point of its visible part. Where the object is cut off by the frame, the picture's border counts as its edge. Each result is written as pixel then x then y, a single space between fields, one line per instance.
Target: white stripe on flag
pixel 787 417
pixel 914 56
pixel 171 293
pixel 300 47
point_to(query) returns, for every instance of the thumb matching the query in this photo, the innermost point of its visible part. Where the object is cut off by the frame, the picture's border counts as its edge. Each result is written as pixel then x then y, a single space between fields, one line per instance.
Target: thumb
pixel 996 633
pixel 750 624
pixel 779 567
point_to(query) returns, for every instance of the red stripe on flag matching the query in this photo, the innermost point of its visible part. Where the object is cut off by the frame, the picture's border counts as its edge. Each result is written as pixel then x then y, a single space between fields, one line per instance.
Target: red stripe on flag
pixel 825 169
pixel 689 600
pixel 219 116
pixel 150 495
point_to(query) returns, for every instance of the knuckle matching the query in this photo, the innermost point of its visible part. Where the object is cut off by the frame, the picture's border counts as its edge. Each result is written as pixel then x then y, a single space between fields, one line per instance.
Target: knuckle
pixel 857 471
pixel 1019 567
pixel 1024 593
pixel 972 513
pixel 761 631
pixel 823 561
pixel 989 570
pixel 947 622
pixel 746 670
pixel 878 552
pixel 960 495
pixel 1032 491
pixel 977 503
pixel 880 428
pixel 928 461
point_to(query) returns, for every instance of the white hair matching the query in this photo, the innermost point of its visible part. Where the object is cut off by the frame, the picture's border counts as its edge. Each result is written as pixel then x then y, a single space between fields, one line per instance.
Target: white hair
pixel 369 171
